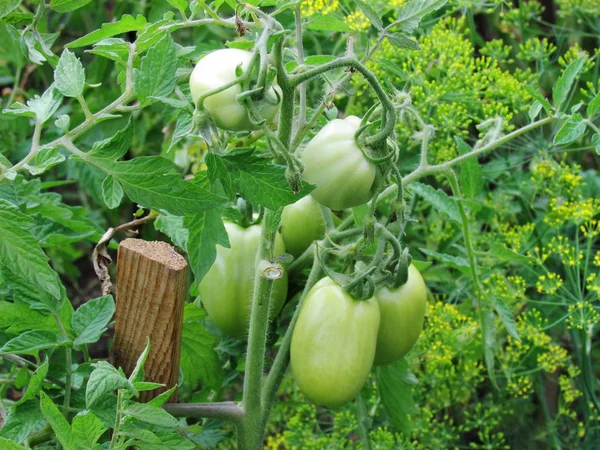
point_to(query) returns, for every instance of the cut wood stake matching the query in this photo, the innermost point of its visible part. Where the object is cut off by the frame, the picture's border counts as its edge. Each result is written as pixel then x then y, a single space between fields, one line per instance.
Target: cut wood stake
pixel 151 292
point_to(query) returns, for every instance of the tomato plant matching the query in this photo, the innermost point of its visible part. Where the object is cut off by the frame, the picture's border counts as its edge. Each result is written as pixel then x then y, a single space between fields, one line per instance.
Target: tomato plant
pixel 333 344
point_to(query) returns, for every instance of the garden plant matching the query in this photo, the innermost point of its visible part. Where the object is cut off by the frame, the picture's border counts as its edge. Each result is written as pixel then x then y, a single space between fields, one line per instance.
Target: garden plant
pixel 389 209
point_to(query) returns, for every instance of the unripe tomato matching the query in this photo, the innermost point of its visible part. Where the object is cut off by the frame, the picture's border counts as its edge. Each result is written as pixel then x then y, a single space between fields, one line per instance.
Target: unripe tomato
pixel 402 316
pixel 217 69
pixel 301 224
pixel 337 166
pixel 226 290
pixel 333 344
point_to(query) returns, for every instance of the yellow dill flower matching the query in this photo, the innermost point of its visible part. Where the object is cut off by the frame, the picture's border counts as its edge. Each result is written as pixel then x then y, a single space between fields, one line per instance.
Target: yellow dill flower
pixel 520 387
pixel 582 316
pixel 397 3
pixel 553 359
pixel 597 258
pixel 548 284
pixel 357 21
pixel 591 229
pixel 310 7
pixel 569 393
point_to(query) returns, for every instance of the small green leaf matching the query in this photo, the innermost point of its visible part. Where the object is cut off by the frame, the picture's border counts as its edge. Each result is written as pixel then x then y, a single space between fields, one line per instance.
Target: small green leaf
pixel 156 76
pixel 394 383
pixel 596 143
pixel 370 13
pixel 151 414
pixel 414 11
pixel 57 421
pixel 534 110
pixel 326 23
pixel 471 175
pixel 87 429
pixel 7 6
pixel 103 380
pixel 112 192
pixel 63 6
pixel 206 231
pixel 563 85
pixel 593 106
pixel 138 372
pixel 570 131
pixel 456 262
pixel 115 147
pixel 69 75
pixel 506 317
pixel 91 319
pixel 22 421
pixel 199 360
pixel 400 40
pixel 537 95
pixel 126 24
pixel 5 444
pixel 502 252
pixel 31 342
pixel 35 383
pixel 438 199
pixel 45 160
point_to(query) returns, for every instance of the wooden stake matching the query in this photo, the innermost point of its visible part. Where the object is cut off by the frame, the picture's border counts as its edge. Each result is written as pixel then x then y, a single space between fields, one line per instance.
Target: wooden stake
pixel 151 292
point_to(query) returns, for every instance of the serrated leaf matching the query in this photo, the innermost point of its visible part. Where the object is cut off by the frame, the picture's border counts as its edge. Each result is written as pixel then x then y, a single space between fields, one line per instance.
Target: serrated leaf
pixel 173 227
pixel 103 380
pixel 392 68
pixel 594 106
pixel 537 95
pixel 205 232
pixel 115 147
pixel 91 319
pixel 57 421
pixel 456 262
pixel 438 199
pixel 370 13
pixel 162 398
pixel 471 175
pixel 506 317
pixel 44 160
pixel 394 383
pixel 151 414
pixel 156 76
pixel 112 192
pixel 5 444
pixel 87 429
pixel 572 129
pixel 413 12
pixel 152 181
pixel 7 6
pixel 400 40
pixel 31 342
pixel 137 374
pixel 326 23
pixel 199 360
pixel 259 181
pixel 63 6
pixel 35 383
pixel 181 5
pixel 69 75
pixel 42 108
pixel 20 252
pixel 22 421
pixel 126 24
pixel 563 85
pixel 596 143
pixel 502 252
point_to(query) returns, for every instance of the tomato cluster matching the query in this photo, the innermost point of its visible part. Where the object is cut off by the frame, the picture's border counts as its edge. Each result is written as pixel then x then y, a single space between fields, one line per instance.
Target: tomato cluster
pixel 337 338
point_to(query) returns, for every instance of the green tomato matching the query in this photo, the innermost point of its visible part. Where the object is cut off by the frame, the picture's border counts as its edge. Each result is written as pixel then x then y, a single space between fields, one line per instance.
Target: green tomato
pixel 217 69
pixel 333 344
pixel 301 224
pixel 402 316
pixel 226 290
pixel 337 166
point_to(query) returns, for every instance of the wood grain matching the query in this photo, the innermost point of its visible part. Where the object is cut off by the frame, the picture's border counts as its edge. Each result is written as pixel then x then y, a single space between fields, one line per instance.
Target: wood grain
pixel 151 292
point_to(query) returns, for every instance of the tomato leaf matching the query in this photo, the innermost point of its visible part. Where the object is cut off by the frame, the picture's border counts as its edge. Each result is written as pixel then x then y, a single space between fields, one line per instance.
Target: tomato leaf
pixel 471 175
pixel 199 360
pixel 570 130
pixel 593 106
pixel 151 414
pixel 20 252
pixel 35 383
pixel 259 181
pixel 565 81
pixel 156 77
pixel 394 383
pixel 57 421
pixel 370 13
pixel 412 13
pixel 126 24
pixel 22 420
pixel 87 429
pixel 69 75
pixel 439 200
pixel 91 319
pixel 104 379
pixel 63 6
